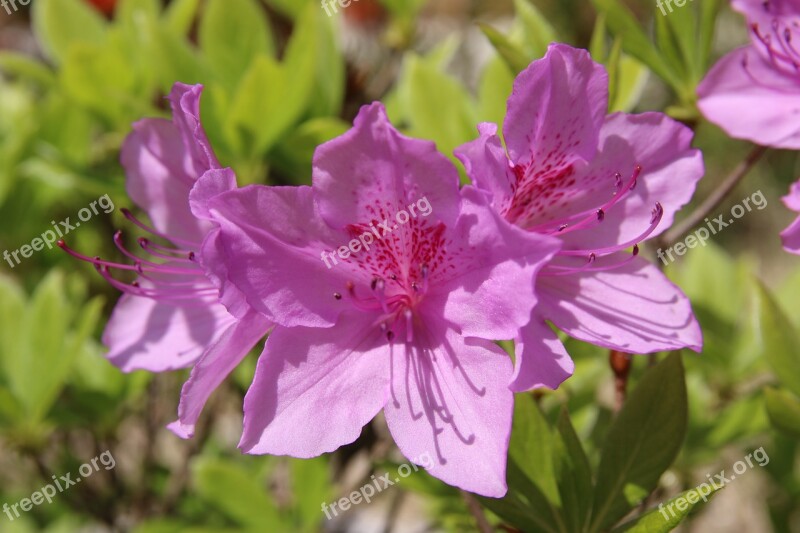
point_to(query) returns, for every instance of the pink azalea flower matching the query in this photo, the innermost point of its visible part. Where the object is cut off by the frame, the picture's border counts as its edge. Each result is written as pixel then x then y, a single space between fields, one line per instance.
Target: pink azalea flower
pixel 791 235
pixel 404 326
pixel 602 184
pixel 171 317
pixel 753 92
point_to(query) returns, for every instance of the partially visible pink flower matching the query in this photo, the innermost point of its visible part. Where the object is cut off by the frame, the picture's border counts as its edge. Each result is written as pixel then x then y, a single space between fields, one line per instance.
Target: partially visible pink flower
pixel 753 92
pixel 791 235
pixel 171 317
pixel 602 184
pixel 404 327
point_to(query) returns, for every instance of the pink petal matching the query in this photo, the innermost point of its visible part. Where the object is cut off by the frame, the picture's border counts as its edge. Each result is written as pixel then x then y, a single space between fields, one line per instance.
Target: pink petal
pixel 634 309
pixel 218 361
pixel 757 103
pixel 211 184
pixel 662 148
pixel 452 404
pixel 556 110
pixel 791 237
pixel 487 165
pixel 316 388
pixel 198 154
pixel 145 334
pixel 272 241
pixel 372 172
pixel 153 157
pixel 541 358
pixel 489 291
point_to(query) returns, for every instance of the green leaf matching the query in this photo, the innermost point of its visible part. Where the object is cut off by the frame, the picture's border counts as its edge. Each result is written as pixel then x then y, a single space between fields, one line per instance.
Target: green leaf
pixel 23 66
pixel 778 339
pixel 58 24
pixel 575 479
pixel 642 442
pixel 513 55
pixel 667 516
pixel 783 409
pixel 180 15
pixel 635 42
pixel 236 492
pixel 536 31
pixel 549 477
pixel 232 34
pixel 709 9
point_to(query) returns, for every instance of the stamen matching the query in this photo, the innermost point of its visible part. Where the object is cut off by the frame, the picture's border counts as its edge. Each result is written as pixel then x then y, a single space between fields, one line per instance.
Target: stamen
pixel 152 231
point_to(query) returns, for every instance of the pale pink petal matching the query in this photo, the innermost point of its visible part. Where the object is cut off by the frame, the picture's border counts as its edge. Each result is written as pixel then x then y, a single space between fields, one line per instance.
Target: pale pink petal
pixel 750 99
pixel 541 358
pixel 145 334
pixel 272 243
pixel 451 406
pixel 791 237
pixel 218 361
pixel 153 157
pixel 372 172
pixel 488 291
pixel 661 147
pixel 487 165
pixel 633 308
pixel 316 388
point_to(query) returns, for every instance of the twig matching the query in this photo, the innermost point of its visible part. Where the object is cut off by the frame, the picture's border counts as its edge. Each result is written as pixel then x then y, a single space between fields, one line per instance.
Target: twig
pixel 477 512
pixel 716 197
pixel 620 363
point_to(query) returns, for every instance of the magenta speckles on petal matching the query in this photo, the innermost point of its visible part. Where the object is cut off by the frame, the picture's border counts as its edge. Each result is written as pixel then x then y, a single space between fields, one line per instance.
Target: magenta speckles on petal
pixel 602 185
pixel 404 326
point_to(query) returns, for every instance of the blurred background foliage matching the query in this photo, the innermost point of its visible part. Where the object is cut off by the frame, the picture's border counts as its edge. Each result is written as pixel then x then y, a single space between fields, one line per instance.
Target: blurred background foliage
pixel 281 77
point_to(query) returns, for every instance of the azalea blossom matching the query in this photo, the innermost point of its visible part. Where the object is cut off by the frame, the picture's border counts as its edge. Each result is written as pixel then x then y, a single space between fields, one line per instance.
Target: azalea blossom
pixel 171 317
pixel 753 92
pixel 405 327
pixel 791 235
pixel 602 185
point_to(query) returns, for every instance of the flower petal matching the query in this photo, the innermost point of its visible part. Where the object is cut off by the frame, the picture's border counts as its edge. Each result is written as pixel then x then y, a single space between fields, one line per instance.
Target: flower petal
pixel 145 334
pixel 662 148
pixel 452 404
pixel 756 102
pixel 272 240
pixel 541 358
pixel 633 308
pixel 556 110
pixel 372 172
pixel 489 292
pixel 198 154
pixel 487 165
pixel 152 156
pixel 218 361
pixel 316 388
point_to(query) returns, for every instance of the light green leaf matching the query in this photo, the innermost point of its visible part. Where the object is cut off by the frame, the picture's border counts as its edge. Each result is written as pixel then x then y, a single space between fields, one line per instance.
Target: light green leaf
pixel 778 339
pixel 783 409
pixel 512 54
pixel 635 41
pixel 232 34
pixel 58 24
pixel 536 32
pixel 180 15
pixel 642 442
pixel 236 492
pixel 667 516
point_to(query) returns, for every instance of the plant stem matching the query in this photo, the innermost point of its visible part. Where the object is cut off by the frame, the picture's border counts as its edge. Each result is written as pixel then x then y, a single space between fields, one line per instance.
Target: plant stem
pixel 715 199
pixel 477 513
